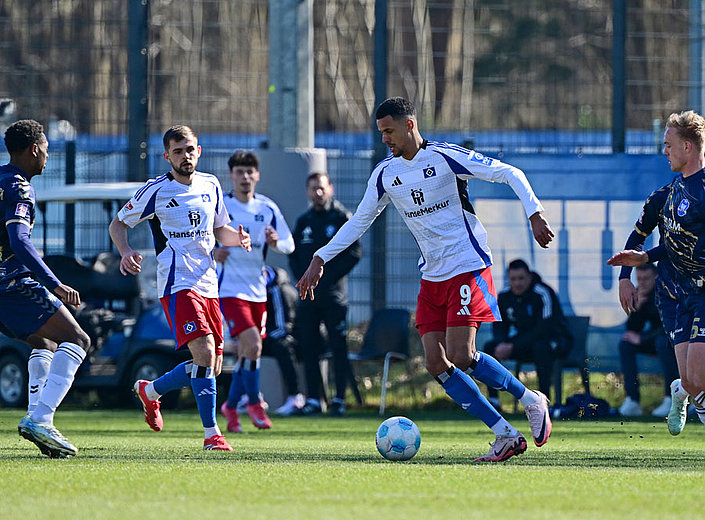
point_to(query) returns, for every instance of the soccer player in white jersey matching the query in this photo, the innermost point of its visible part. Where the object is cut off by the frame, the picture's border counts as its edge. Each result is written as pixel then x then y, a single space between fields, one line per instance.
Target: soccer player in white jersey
pixel 187 215
pixel 243 284
pixel 427 183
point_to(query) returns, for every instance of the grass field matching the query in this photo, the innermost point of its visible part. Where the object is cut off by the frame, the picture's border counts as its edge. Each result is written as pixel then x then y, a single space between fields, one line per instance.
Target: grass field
pixel 329 468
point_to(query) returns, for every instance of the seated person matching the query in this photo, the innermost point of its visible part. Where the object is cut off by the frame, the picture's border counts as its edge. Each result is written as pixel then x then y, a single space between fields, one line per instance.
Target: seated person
pixel 645 335
pixel 533 328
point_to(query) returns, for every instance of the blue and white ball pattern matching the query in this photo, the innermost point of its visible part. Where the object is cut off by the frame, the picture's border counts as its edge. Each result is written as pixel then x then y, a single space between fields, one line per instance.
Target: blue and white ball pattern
pixel 398 438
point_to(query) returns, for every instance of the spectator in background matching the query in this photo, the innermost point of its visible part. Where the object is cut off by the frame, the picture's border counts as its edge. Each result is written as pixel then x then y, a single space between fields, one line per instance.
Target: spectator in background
pixel 242 284
pixel 533 328
pixel 312 231
pixel 645 335
pixel 279 342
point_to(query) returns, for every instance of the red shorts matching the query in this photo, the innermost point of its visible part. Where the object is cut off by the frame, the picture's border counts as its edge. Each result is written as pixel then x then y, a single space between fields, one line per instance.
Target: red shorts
pixel 241 315
pixel 191 316
pixel 465 300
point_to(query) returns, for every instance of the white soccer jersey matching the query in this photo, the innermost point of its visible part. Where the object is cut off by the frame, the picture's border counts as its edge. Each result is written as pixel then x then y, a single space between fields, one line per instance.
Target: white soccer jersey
pixel 182 218
pixel 243 275
pixel 430 193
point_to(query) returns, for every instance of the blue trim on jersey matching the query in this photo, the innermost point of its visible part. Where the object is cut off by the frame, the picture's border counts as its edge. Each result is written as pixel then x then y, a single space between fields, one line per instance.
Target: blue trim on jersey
pixel 172 317
pixel 172 274
pixel 490 298
pixel 380 187
pixel 149 208
pixel 450 146
pixel 480 252
pixel 222 275
pixel 457 168
pixel 141 191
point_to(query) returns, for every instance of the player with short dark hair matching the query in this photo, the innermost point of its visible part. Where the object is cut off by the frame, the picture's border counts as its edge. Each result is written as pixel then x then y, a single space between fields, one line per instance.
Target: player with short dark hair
pixel 242 284
pixel 187 215
pixel 33 310
pixel 427 183
pixel 684 247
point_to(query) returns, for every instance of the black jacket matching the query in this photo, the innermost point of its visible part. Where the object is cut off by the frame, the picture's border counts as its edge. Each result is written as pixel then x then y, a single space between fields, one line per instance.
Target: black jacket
pixel 313 230
pixel 535 315
pixel 281 303
pixel 646 320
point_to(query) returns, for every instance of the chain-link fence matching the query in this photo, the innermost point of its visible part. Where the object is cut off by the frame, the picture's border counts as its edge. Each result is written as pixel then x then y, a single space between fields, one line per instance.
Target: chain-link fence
pixel 503 77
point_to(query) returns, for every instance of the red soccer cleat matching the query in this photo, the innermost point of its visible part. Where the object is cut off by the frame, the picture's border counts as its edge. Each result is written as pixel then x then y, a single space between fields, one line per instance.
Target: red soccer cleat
pixel 217 442
pixel 259 416
pixel 152 415
pixel 233 418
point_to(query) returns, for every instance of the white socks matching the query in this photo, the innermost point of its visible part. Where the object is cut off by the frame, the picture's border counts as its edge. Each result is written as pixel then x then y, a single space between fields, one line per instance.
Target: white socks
pixel 212 431
pixel 38 368
pixel 67 359
pixel 502 427
pixel 529 397
pixel 150 392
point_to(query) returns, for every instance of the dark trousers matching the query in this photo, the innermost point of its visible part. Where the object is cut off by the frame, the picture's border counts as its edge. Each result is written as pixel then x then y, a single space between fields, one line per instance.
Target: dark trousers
pixel 537 352
pixel 312 345
pixel 282 349
pixel 658 346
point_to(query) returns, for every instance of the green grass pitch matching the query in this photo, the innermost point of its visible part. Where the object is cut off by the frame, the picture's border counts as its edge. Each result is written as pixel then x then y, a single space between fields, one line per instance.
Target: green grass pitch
pixel 321 467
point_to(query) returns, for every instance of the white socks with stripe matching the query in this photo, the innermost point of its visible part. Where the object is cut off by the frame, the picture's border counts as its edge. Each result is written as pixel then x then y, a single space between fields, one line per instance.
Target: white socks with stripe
pixel 38 368
pixel 63 368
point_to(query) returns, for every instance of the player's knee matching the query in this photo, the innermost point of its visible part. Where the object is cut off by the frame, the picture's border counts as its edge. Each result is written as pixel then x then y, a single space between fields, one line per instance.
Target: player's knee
pixel 436 366
pixel 81 339
pixel 460 359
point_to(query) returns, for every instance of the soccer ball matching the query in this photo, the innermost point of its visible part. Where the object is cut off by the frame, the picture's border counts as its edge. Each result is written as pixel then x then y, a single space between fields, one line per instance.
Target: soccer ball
pixel 398 438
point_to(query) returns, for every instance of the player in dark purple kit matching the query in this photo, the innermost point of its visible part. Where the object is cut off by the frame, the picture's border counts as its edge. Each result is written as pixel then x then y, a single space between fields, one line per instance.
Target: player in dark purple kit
pixel 31 296
pixel 684 247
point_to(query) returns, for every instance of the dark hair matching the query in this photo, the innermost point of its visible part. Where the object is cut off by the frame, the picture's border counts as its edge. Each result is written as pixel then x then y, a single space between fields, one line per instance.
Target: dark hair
pixel 397 107
pixel 22 134
pixel 177 133
pixel 241 158
pixel 646 267
pixel 518 264
pixel 317 175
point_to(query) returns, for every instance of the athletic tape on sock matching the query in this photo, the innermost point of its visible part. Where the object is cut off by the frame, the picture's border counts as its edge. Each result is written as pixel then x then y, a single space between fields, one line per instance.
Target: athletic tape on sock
pixel 443 376
pixel 200 372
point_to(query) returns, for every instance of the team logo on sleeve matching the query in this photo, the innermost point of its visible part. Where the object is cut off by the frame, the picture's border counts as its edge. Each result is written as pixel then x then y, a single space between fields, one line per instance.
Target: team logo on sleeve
pixel 683 207
pixel 190 327
pixel 22 210
pixel 205 197
pixel 417 196
pixel 259 218
pixel 429 172
pixel 479 158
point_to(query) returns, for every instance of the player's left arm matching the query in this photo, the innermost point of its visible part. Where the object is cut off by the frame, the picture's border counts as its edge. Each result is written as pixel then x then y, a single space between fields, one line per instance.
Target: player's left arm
pixel 278 235
pixel 476 165
pixel 229 236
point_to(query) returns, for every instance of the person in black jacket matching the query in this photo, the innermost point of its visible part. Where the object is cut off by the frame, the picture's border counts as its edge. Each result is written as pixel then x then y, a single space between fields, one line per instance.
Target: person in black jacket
pixel 533 328
pixel 645 335
pixel 313 230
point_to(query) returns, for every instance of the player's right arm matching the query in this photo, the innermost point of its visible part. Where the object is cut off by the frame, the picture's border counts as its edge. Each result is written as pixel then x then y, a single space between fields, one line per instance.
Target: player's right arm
pixel 130 260
pixel 643 227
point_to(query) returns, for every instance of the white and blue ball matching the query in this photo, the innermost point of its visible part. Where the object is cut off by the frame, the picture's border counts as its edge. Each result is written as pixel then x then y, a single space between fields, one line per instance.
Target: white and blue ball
pixel 398 438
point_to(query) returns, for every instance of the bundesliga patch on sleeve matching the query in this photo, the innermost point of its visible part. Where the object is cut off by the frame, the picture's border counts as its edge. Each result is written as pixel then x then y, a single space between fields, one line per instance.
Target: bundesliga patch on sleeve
pixel 479 158
pixel 128 206
pixel 22 210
